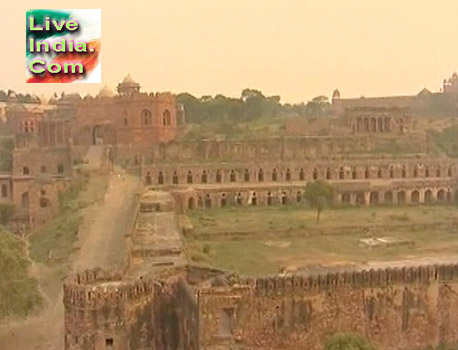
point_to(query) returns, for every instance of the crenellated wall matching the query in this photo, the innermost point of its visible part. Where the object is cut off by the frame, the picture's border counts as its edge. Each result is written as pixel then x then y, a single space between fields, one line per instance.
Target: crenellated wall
pixel 396 308
pixel 105 311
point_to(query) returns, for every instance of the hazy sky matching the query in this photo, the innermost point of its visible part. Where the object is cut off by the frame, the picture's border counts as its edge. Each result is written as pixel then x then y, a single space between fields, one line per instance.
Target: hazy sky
pixel 297 49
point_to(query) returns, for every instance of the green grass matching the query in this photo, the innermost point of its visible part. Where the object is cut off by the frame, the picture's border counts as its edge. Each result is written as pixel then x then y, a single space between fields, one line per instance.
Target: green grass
pixel 19 295
pixel 54 243
pixel 260 249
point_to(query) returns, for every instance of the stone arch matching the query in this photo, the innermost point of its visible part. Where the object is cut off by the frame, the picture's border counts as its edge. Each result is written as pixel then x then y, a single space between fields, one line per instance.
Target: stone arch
pixel 360 198
pixel 175 178
pixel 427 171
pixel 269 198
pixel 439 171
pixel 367 173
pixel 284 198
pixel 26 170
pixel 4 191
pixel 346 198
pixel 288 175
pixel 232 176
pixel 373 125
pixel 315 174
pixel 204 177
pixel 380 173
pixel 415 171
pixel 449 172
pixel 354 173
pixel 374 198
pixel 301 175
pixel 208 201
pixel 238 198
pixel 274 175
pixel 189 177
pixel 147 117
pixel 388 197
pixel 428 196
pixel 44 202
pixel 246 175
pixel 219 177
pixel 191 203
pixel 148 180
pixel 261 175
pixel 441 195
pixel 415 197
pixel 402 197
pixel 341 173
pixel 160 178
pixel 60 169
pixel 25 200
pixel 254 199
pixel 166 118
pixel 43 169
pixel 404 171
pixel 298 196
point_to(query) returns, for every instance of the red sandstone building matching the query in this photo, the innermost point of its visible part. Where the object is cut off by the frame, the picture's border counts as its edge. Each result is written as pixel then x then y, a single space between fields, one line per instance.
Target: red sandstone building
pixel 128 118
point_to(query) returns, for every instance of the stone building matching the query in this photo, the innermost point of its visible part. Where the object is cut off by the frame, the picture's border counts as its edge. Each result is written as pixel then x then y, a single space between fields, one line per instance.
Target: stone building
pixel 128 118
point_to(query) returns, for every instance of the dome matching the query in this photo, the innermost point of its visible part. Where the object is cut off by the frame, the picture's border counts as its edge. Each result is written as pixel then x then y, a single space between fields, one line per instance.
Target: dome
pixel 105 92
pixel 128 80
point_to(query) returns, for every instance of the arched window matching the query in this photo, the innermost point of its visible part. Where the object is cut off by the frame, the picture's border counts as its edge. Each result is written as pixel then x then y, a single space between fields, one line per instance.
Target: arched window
pixel 367 173
pixel 147 117
pixel 125 122
pixel 232 176
pixel 4 191
pixel 328 174
pixel 160 178
pixel 301 174
pixel 60 169
pixel 175 178
pixel 315 174
pixel 246 175
pixel 218 176
pixel 148 180
pixel 44 202
pixel 166 118
pixel 204 177
pixel 404 171
pixel 260 175
pixel 274 175
pixel 223 199
pixel 25 170
pixel 438 172
pixel 43 169
pixel 288 175
pixel 427 171
pixel 379 173
pixel 189 177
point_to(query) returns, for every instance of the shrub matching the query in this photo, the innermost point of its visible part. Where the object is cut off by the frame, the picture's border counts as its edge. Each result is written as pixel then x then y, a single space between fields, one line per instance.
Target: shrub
pixel 348 341
pixel 6 212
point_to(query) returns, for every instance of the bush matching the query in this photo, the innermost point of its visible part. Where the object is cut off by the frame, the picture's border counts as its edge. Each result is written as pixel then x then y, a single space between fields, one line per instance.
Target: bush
pixel 6 212
pixel 348 341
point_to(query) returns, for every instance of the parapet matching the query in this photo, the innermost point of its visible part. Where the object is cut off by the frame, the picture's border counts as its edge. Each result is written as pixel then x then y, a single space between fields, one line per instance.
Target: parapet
pixel 373 278
pixel 98 287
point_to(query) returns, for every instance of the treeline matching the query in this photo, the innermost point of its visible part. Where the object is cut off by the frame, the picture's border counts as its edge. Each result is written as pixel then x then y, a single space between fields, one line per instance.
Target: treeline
pixel 251 105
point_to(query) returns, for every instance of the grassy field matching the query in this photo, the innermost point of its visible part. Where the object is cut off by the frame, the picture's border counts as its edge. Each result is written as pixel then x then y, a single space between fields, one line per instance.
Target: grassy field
pixel 256 248
pixel 54 243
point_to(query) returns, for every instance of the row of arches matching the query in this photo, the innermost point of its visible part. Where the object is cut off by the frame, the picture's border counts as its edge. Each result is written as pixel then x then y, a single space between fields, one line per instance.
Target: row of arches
pixel 43 201
pixel 204 176
pixel 295 196
pixel 60 169
pixel 147 118
pixel 401 197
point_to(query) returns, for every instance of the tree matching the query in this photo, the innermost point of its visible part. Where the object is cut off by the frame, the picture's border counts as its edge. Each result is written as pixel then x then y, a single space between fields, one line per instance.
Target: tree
pixel 319 195
pixel 348 341
pixel 6 212
pixel 318 106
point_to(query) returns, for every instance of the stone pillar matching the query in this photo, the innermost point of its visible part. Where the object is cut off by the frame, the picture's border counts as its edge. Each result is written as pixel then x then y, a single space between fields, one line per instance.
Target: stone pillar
pixel 422 196
pixel 367 198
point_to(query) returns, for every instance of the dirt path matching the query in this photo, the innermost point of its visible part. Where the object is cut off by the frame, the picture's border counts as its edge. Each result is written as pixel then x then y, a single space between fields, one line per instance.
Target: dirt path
pixel 102 244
